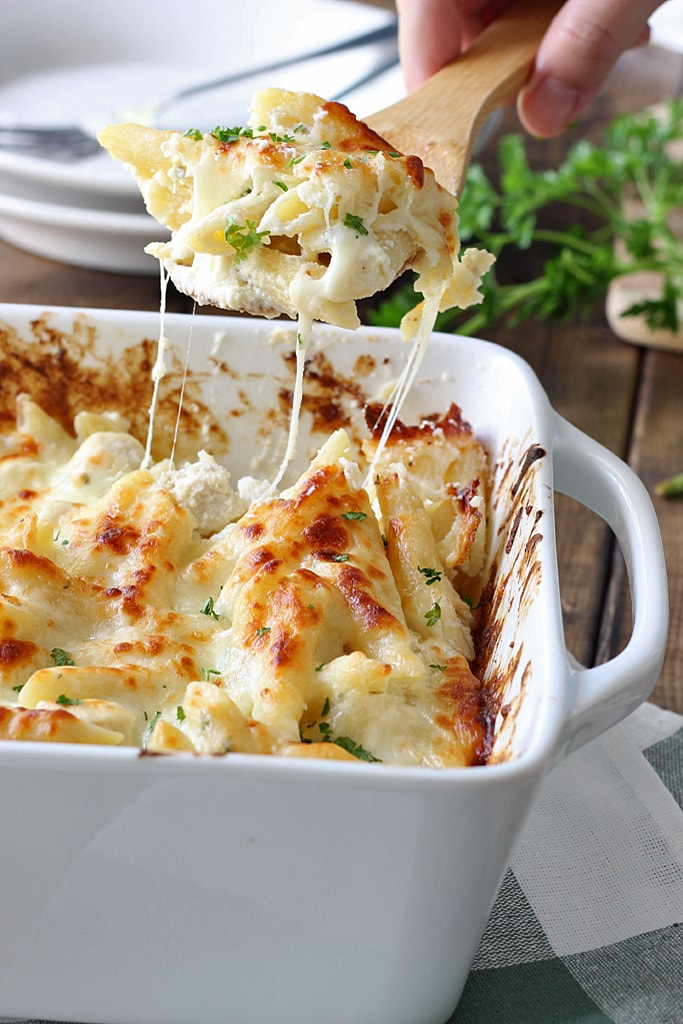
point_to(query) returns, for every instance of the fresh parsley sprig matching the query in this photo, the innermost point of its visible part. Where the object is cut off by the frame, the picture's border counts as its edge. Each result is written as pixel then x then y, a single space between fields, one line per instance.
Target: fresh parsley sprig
pixel 61 657
pixel 243 238
pixel 600 182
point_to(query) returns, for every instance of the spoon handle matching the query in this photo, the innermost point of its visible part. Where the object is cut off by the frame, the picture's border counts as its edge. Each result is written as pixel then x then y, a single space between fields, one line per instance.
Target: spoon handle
pixel 440 121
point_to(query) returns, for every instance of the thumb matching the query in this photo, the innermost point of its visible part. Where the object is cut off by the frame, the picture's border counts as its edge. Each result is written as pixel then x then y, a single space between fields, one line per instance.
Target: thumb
pixel 575 57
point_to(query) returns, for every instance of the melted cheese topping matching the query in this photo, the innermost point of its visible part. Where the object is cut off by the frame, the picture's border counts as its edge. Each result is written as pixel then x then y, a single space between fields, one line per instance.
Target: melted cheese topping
pixel 301 213
pixel 154 607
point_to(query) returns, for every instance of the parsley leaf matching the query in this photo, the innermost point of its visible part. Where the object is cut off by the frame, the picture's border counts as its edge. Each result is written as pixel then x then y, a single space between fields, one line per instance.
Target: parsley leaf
pixel 351 220
pixel 208 609
pixel 431 575
pixel 152 722
pixel 434 614
pixel 66 701
pixel 232 134
pixel 354 515
pixel 356 749
pixel 244 238
pixel 61 657
pixel 511 210
pixel 327 736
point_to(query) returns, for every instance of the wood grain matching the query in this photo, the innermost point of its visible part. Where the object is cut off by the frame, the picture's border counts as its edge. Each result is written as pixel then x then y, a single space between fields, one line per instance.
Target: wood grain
pixel 628 398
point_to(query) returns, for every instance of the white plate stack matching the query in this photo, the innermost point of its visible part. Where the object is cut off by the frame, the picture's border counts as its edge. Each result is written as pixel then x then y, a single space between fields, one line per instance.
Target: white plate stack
pixel 118 60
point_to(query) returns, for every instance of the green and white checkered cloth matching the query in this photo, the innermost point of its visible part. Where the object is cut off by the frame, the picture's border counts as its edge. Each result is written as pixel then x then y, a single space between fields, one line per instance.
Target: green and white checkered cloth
pixel 588 925
pixel 585 929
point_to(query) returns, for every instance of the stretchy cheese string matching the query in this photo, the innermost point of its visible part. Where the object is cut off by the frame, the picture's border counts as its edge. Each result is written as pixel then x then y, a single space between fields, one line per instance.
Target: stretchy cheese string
pixel 303 337
pixel 159 368
pixel 394 404
pixel 181 397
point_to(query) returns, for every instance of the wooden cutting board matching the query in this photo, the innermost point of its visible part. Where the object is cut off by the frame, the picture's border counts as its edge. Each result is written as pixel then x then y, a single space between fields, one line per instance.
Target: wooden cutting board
pixel 630 289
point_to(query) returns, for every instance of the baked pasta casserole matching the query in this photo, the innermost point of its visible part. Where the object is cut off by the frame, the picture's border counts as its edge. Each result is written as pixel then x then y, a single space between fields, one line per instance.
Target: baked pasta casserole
pixel 159 606
pixel 166 609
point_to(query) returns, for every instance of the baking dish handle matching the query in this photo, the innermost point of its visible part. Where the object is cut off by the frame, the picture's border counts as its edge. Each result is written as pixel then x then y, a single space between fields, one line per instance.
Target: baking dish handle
pixel 601 696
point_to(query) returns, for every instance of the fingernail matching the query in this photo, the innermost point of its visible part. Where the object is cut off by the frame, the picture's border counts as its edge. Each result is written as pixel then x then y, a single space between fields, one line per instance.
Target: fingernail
pixel 548 106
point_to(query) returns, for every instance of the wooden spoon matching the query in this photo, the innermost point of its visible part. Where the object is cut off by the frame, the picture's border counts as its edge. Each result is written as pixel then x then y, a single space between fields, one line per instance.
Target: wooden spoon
pixel 440 121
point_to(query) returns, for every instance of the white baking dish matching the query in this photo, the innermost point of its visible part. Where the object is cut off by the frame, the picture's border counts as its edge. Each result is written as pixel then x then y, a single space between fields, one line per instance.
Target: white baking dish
pixel 244 889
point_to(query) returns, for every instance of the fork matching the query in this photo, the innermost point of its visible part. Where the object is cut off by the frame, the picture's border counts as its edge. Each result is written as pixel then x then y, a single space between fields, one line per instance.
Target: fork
pixel 70 142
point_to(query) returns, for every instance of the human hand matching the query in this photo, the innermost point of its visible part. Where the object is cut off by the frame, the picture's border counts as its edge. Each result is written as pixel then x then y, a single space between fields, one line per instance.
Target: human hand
pixel 575 57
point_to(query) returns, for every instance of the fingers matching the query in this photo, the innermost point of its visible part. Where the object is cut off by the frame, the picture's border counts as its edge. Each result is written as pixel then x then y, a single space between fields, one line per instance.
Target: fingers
pixel 433 32
pixel 575 57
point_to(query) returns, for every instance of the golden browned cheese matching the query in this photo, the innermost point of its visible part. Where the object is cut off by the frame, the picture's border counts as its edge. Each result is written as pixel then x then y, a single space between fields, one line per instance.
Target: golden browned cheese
pixel 302 212
pixel 325 620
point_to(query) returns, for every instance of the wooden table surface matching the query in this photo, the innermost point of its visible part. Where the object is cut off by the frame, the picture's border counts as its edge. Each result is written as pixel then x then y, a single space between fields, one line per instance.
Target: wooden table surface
pixel 629 399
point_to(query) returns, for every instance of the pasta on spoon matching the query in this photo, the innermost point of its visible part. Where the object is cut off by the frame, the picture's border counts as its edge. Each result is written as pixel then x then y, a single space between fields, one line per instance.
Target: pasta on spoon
pixel 301 213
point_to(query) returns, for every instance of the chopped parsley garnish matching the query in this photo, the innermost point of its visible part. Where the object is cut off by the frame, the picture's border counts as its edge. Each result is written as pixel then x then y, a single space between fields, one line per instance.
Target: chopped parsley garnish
pixel 341 558
pixel 65 701
pixel 244 238
pixel 297 160
pixel 431 575
pixel 347 164
pixel 351 220
pixel 356 749
pixel 326 736
pixel 232 134
pixel 318 668
pixel 263 630
pixel 441 668
pixel 194 133
pixel 59 540
pixel 326 145
pixel 61 657
pixel 152 722
pixel 282 185
pixel 434 614
pixel 180 713
pixel 280 138
pixel 354 515
pixel 19 688
pixel 208 672
pixel 208 609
